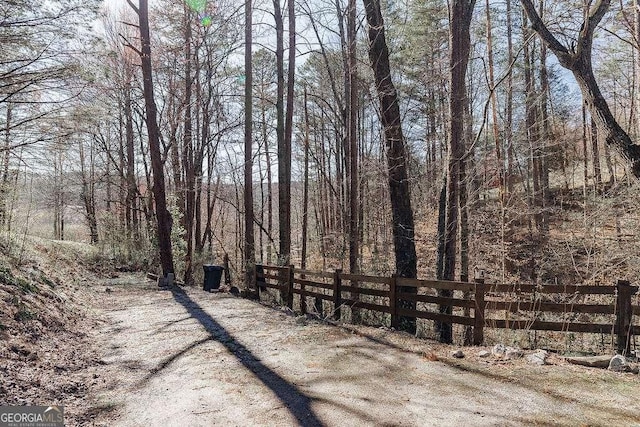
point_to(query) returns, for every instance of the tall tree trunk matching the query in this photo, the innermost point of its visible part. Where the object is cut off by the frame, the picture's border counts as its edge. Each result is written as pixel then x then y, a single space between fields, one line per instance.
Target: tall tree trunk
pixel 122 163
pixel 56 199
pixel 87 194
pixel 249 242
pixel 284 195
pixel 597 172
pixel 585 163
pixel 498 141
pixel 509 106
pixel 269 200
pixel 59 199
pixel 465 180
pixel 323 200
pixel 4 172
pixel 351 152
pixel 188 160
pixel 305 184
pixel 546 124
pixel 494 105
pixel 636 55
pixel 607 158
pixel 352 138
pixel 261 232
pixel 460 46
pixel 203 121
pixel 399 190
pixel 533 133
pixel 130 158
pixel 176 162
pixel 107 173
pixel 577 59
pixel 163 217
pixel 288 136
pixel 343 147
pixel 442 216
pixel 207 234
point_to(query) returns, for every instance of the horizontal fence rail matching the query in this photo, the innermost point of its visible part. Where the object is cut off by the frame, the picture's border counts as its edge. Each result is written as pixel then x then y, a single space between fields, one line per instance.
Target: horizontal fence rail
pixel 501 306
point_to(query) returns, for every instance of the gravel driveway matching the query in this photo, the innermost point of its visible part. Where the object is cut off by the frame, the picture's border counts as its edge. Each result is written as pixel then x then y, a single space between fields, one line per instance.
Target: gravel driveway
pixel 190 358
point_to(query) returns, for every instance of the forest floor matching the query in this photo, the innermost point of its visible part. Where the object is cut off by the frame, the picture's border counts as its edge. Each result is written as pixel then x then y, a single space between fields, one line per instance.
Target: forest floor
pixel 132 354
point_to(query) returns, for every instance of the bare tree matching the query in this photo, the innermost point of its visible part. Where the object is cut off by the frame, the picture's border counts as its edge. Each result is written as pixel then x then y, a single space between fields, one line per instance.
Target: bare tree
pixel 88 191
pixel 352 138
pixel 163 217
pixel 460 14
pixel 284 151
pixel 249 242
pixel 577 59
pixel 284 177
pixel 305 183
pixel 188 160
pixel 399 190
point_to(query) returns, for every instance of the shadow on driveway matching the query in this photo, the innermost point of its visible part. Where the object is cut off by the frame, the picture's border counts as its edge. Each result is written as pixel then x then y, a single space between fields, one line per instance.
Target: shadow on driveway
pixel 298 404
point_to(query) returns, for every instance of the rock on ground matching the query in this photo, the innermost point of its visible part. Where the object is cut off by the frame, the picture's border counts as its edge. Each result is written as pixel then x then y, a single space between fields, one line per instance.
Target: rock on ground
pixel 538 358
pixel 618 363
pixel 590 361
pixel 458 354
pixel 501 351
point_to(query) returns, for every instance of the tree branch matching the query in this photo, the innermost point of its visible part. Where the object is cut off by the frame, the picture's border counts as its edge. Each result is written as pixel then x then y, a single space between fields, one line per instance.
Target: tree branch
pixel 560 50
pixel 595 15
pixel 128 44
pixel 134 7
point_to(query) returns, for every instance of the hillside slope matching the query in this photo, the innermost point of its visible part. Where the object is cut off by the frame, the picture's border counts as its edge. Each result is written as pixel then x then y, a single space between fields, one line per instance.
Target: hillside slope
pixel 46 354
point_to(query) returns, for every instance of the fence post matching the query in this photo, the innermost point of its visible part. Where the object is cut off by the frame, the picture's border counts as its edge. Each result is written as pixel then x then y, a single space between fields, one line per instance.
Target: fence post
pixel 393 302
pixel 624 314
pixel 259 279
pixel 318 306
pixel 303 297
pixel 290 273
pixel 466 312
pixel 227 272
pixel 478 311
pixel 337 294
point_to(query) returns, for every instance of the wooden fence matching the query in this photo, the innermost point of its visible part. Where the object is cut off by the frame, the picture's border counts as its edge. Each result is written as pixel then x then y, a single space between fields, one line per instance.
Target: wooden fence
pixel 476 304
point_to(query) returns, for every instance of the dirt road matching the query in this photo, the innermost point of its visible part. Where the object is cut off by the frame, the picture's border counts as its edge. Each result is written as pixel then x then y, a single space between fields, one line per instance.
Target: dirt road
pixel 190 358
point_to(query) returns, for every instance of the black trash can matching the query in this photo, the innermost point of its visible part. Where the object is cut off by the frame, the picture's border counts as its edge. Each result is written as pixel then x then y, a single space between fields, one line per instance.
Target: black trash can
pixel 212 277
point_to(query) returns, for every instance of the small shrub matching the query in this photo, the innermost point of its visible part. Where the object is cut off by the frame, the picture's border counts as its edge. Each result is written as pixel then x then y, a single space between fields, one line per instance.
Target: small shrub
pixel 118 250
pixel 24 313
pixel 6 277
pixel 44 279
pixel 25 286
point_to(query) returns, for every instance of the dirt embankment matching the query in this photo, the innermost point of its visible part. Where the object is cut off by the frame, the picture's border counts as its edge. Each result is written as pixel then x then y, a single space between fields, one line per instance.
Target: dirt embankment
pixel 47 355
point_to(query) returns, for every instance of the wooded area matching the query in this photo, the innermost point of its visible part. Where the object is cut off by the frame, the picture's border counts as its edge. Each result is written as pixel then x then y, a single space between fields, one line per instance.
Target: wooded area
pixel 427 139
